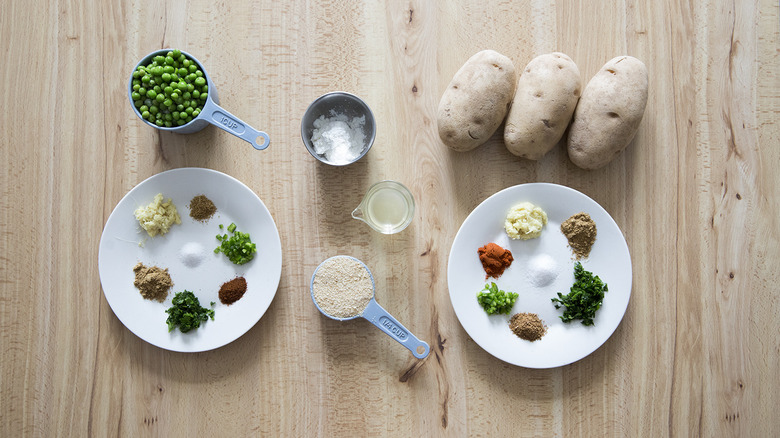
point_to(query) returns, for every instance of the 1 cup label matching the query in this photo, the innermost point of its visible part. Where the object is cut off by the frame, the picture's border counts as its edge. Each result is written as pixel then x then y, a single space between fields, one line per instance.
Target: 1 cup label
pixel 229 122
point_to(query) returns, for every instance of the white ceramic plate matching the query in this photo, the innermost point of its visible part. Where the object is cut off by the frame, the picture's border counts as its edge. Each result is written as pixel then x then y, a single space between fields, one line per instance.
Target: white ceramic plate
pixel 564 343
pixel 119 252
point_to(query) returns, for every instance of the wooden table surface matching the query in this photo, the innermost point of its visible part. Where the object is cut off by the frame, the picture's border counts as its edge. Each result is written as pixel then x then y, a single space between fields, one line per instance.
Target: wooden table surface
pixel 695 194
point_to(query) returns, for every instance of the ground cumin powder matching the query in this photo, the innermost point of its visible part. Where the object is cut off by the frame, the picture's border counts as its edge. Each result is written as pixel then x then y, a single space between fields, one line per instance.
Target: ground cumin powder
pixel 580 230
pixel 202 208
pixel 527 326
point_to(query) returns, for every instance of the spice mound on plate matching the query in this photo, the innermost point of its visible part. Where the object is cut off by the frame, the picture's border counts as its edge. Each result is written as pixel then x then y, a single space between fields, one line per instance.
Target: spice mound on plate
pixel 580 230
pixel 157 217
pixel 232 291
pixel 494 259
pixel 152 282
pixel 342 287
pixel 525 221
pixel 202 208
pixel 527 326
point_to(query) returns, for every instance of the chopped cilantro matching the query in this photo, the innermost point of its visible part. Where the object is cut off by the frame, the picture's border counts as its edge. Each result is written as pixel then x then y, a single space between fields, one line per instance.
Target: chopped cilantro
pixel 584 298
pixel 186 312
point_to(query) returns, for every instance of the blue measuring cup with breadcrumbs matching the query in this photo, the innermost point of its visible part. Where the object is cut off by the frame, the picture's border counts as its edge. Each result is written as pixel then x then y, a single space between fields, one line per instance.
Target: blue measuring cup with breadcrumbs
pixel 369 309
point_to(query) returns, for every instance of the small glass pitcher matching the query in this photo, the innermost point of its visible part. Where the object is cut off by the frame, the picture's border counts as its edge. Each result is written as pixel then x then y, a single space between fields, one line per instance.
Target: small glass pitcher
pixel 387 207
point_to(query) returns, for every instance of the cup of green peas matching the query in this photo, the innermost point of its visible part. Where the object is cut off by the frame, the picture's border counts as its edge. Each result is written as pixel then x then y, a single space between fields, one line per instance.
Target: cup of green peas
pixel 170 90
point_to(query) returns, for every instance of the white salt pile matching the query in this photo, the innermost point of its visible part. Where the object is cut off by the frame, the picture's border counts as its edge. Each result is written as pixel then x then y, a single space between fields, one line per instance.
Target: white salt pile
pixel 338 139
pixel 542 270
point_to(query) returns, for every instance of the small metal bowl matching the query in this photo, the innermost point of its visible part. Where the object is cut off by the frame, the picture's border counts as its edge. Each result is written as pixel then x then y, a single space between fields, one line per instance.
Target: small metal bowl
pixel 330 104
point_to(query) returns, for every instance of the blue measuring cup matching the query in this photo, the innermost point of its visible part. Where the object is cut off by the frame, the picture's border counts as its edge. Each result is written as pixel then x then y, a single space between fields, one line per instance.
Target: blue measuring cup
pixel 211 113
pixel 378 316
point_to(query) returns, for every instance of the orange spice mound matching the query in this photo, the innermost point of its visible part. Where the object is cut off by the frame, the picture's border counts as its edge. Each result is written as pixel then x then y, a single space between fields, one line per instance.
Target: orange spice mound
pixel 494 259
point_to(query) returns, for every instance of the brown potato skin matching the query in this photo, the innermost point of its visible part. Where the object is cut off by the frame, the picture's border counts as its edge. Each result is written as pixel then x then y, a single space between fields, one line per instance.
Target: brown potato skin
pixel 476 100
pixel 608 114
pixel 547 93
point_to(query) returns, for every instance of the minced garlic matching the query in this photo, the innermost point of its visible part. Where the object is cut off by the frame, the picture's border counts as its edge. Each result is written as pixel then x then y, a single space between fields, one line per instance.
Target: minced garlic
pixel 157 217
pixel 525 221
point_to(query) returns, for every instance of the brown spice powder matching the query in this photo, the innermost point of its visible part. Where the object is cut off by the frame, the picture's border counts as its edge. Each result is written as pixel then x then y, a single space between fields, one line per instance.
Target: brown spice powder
pixel 527 326
pixel 201 208
pixel 580 230
pixel 232 291
pixel 152 282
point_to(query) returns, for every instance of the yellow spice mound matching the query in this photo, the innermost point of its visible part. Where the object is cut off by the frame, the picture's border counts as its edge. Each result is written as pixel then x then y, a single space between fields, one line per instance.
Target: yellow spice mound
pixel 525 221
pixel 157 217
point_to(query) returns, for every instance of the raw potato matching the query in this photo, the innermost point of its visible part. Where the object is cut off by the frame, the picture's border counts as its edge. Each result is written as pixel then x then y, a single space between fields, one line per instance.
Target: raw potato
pixel 609 112
pixel 547 93
pixel 476 100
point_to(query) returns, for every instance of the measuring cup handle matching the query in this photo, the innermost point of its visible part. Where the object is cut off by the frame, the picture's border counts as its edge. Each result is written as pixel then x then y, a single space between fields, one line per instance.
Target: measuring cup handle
pixel 218 116
pixel 380 318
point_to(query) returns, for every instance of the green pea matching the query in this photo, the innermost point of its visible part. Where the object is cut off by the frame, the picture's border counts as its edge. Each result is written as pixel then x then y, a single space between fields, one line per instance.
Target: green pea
pixel 169 69
pixel 143 108
pixel 166 77
pixel 168 124
pixel 151 93
pixel 204 96
pixel 138 103
pixel 188 119
pixel 199 73
pixel 175 115
pixel 136 96
pixel 168 103
pixel 159 122
pixel 174 95
pixel 157 89
pixel 196 113
pixel 187 95
pixel 180 122
pixel 153 109
pixel 200 82
pixel 192 68
pixel 186 63
pixel 160 98
pixel 182 71
pixel 190 88
pixel 159 58
pixel 189 110
pixel 180 108
pixel 168 90
pixel 136 87
pixel 205 89
pixel 145 114
pixel 186 103
pixel 136 82
pixel 196 94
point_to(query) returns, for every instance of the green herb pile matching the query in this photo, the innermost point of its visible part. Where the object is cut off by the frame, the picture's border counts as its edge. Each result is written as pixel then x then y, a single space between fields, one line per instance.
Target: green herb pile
pixel 495 301
pixel 170 90
pixel 238 247
pixel 186 312
pixel 584 298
